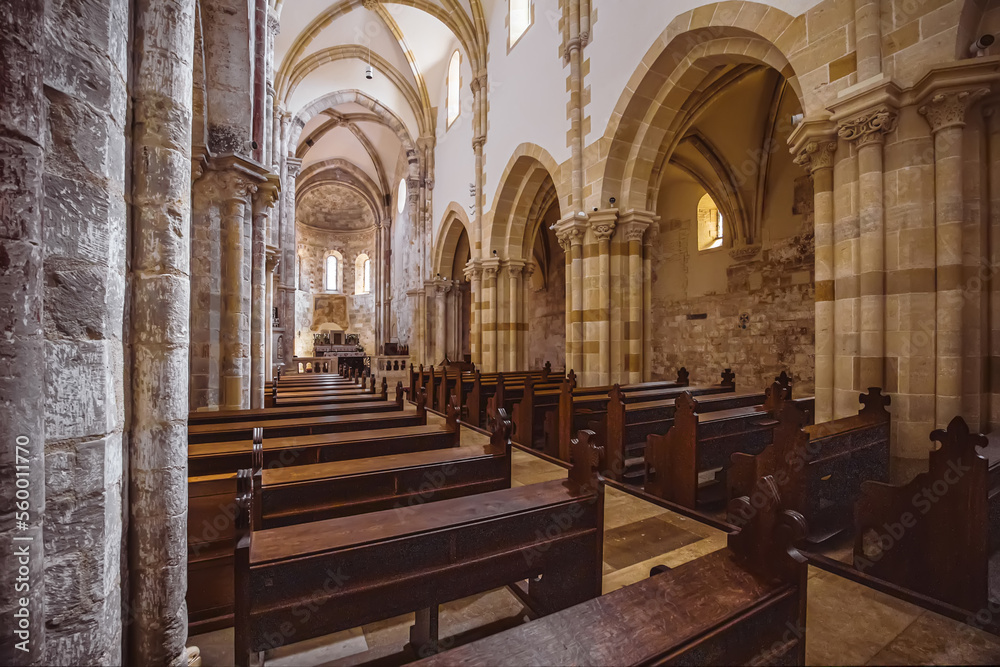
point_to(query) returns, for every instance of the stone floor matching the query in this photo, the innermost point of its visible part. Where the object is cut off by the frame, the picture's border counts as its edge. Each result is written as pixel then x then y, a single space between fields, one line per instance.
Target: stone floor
pixel 848 624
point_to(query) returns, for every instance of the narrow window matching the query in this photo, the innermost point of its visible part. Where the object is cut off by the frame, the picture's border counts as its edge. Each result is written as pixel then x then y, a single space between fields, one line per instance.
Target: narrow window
pixel 710 224
pixel 368 276
pixel 520 20
pixel 331 273
pixel 401 197
pixel 454 88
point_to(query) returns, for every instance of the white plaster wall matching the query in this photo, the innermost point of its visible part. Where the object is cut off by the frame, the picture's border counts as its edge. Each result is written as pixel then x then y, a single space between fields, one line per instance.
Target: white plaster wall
pixel 527 91
pixel 454 159
pixel 527 98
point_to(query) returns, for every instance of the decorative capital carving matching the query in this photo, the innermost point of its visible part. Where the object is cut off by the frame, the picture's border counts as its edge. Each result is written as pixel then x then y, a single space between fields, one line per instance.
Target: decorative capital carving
pixel 817 155
pixel 947 109
pixel 570 237
pixel 635 231
pixel 443 287
pixel 293 166
pixel 272 261
pixel 529 270
pixel 870 127
pixel 473 270
pixel 370 5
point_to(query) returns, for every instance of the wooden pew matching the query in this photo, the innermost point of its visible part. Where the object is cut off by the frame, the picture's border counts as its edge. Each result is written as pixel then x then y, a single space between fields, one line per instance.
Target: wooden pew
pixel 820 467
pixel 630 418
pixel 743 605
pixel 935 534
pixel 580 408
pixel 374 404
pixel 287 496
pixel 359 569
pixel 227 457
pixel 705 433
pixel 479 388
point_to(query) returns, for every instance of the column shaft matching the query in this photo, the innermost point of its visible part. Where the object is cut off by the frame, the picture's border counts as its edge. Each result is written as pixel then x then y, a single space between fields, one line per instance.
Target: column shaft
pixel 603 294
pixel 515 300
pixel 258 307
pixel 868 38
pixel 633 331
pixel 233 320
pixel 872 284
pixel 160 313
pixel 825 289
pixel 22 347
pixel 948 236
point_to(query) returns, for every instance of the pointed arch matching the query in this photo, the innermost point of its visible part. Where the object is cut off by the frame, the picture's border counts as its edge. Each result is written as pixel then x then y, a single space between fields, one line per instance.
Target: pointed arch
pixel 526 174
pixel 454 223
pixel 657 98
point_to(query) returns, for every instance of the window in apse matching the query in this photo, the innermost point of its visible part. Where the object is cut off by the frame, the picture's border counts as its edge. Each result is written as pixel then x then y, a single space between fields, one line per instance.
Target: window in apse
pixel 710 225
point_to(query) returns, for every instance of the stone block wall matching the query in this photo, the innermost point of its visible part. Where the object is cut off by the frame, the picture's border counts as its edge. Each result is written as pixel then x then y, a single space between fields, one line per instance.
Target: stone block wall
pixel 545 316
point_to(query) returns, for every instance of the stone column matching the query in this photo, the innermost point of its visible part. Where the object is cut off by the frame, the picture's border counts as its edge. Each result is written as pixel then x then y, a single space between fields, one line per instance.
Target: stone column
pixel 992 114
pixel 634 230
pixel 441 324
pixel 271 263
pixel 490 356
pixel 868 38
pixel 264 200
pixel 817 156
pixel 514 301
pixel 474 274
pixel 288 252
pixel 868 133
pixel 652 236
pixel 597 314
pixel 235 319
pixel 847 268
pixel 163 50
pixel 945 113
pixel 570 233
pixel 22 347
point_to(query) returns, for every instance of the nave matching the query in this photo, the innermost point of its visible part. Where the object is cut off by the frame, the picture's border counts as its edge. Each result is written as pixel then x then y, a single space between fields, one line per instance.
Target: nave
pixel 642 536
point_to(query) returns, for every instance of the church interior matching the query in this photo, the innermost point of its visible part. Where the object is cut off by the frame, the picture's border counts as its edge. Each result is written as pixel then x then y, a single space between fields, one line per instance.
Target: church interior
pixel 499 332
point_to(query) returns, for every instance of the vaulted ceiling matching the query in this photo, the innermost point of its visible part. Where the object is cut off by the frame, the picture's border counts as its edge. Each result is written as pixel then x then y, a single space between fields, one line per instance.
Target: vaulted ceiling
pixel 323 48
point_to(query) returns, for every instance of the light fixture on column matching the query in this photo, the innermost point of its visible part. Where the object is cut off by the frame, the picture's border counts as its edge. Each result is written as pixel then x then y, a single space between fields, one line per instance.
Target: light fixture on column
pixel 369 72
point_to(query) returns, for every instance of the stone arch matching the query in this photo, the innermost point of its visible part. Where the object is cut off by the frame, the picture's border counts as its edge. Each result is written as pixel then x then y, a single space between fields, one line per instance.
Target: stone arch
pixel 655 98
pixel 331 100
pixel 529 170
pixel 455 222
pixel 345 173
pixel 302 69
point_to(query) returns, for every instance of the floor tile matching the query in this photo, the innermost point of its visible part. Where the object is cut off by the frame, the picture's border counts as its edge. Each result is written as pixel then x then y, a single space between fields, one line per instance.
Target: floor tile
pixel 935 640
pixel 642 540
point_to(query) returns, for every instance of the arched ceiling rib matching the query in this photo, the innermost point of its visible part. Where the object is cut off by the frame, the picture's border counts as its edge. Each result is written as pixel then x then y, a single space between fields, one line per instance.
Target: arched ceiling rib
pixel 320 55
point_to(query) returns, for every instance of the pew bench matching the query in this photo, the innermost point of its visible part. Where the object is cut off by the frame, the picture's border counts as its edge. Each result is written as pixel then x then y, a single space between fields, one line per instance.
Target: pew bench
pixel 702 441
pixel 226 457
pixel 936 534
pixel 821 466
pixel 286 496
pixel 360 569
pixel 743 605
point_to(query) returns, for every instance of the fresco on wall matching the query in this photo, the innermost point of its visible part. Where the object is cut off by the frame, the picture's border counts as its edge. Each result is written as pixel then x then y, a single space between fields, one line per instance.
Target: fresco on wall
pixel 330 309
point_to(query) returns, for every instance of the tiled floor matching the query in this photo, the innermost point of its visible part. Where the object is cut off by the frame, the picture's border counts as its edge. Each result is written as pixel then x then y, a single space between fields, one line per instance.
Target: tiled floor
pixel 848 624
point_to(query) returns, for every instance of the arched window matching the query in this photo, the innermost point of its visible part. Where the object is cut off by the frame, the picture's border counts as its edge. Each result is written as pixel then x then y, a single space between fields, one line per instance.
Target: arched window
pixel 521 18
pixel 363 275
pixel 331 283
pixel 710 227
pixel 454 87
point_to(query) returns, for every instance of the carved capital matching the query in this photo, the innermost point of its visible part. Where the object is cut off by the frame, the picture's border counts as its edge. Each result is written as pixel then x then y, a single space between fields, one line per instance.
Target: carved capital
pixel 529 270
pixel 293 166
pixel 570 237
pixel 870 127
pixel 817 155
pixel 370 5
pixel 272 261
pixel 947 109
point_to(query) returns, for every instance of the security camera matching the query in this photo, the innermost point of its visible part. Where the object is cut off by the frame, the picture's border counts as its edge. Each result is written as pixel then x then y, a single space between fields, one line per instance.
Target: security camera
pixel 978 48
pixel 612 200
pixel 369 73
